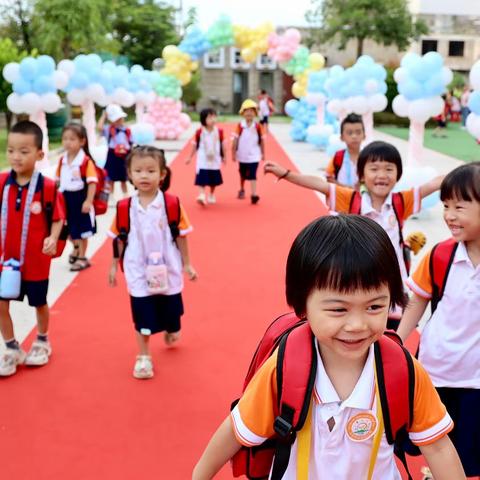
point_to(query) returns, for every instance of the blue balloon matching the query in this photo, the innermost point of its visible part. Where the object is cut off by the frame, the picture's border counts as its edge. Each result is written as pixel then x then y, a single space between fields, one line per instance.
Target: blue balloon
pixel 45 65
pixel 409 59
pixel 378 72
pixel 79 80
pixel 82 63
pixel 28 68
pixel 474 102
pixel 22 86
pixel 291 107
pixel 366 60
pixel 411 90
pixel 44 84
pixel 434 86
pixel 109 65
pixel 95 60
pixel 434 60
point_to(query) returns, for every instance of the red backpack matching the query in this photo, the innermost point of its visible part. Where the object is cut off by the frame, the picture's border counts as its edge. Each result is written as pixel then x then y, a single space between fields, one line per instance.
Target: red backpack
pixel 399 210
pixel 102 192
pixel 338 161
pixel 172 206
pixel 198 136
pixel 441 260
pixel 120 150
pixel 296 372
pixel 258 127
pixel 49 197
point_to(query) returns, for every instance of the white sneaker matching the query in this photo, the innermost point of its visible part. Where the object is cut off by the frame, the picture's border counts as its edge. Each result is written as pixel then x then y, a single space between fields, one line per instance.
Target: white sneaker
pixel 201 199
pixel 39 354
pixel 143 367
pixel 9 361
pixel 212 199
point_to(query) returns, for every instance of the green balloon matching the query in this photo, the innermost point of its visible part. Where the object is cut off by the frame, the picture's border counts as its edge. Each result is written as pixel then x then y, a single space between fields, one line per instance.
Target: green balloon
pixel 220 34
pixel 167 86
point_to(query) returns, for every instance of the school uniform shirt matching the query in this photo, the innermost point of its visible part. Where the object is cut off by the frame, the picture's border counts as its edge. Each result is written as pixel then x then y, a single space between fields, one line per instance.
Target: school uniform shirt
pixel 69 176
pixel 209 143
pixel 149 232
pixel 263 107
pixel 119 138
pixel 450 341
pixel 339 198
pixel 37 265
pixel 333 455
pixel 248 150
pixel 347 175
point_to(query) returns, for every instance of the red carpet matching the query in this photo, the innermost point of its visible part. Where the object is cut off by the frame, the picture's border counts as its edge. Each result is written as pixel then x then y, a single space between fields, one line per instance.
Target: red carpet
pixel 84 417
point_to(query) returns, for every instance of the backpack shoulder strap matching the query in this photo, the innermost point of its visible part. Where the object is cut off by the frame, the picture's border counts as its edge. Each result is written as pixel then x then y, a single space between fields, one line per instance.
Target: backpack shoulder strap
pixel 396 382
pixel 355 203
pixel 123 216
pixel 338 161
pixel 221 134
pixel 3 182
pixel 198 136
pixel 128 133
pixel 441 260
pixel 172 206
pixel 84 166
pixel 259 132
pixel 398 204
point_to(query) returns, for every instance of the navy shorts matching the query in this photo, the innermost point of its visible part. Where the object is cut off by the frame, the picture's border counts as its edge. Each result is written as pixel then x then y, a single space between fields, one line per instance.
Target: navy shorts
pixel 157 313
pixel 463 406
pixel 210 178
pixel 248 171
pixel 116 167
pixel 35 291
pixel 80 225
pixel 264 120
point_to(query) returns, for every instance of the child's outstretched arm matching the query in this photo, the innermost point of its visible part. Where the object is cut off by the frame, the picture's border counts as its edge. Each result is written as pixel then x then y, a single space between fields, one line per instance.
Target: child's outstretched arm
pixel 221 448
pixel 307 181
pixel 187 266
pixel 413 313
pixel 443 460
pixel 234 149
pixel 432 186
pixel 101 121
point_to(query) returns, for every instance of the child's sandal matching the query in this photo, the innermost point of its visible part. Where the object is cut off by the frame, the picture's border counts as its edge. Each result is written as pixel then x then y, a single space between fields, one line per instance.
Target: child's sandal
pixel 80 264
pixel 73 257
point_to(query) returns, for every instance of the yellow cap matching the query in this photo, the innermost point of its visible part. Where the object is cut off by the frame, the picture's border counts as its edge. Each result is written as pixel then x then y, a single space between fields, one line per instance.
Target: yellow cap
pixel 248 103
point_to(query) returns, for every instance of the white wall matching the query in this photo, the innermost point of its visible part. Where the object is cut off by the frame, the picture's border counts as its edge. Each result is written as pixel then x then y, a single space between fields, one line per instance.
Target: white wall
pixel 445 7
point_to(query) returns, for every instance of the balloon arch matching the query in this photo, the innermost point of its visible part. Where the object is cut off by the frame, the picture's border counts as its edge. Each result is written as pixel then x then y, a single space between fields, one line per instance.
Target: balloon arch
pixel 322 96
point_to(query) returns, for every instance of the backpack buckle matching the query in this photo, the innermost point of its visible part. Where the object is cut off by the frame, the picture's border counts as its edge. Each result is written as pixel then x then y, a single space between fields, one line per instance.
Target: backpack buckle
pixel 282 427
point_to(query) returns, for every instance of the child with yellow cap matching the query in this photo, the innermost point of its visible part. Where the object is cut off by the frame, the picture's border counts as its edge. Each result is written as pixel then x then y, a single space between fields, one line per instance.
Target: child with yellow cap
pixel 248 147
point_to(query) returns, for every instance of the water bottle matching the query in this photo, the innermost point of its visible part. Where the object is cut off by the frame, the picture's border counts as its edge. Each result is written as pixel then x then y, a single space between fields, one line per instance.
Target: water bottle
pixel 156 274
pixel 10 279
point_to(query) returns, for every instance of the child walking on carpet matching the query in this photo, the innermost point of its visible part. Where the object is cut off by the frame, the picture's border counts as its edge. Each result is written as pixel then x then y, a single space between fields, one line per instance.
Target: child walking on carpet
pixel 149 233
pixel 77 179
pixel 209 146
pixel 448 277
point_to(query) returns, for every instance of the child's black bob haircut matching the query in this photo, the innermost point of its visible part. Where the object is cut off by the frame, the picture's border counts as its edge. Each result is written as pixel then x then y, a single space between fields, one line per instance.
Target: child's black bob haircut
pixel 205 113
pixel 26 127
pixel 462 183
pixel 379 152
pixel 352 118
pixel 343 253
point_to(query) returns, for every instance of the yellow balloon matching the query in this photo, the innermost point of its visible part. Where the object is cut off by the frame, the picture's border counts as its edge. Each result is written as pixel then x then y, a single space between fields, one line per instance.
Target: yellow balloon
pixel 249 55
pixel 170 51
pixel 298 90
pixel 316 60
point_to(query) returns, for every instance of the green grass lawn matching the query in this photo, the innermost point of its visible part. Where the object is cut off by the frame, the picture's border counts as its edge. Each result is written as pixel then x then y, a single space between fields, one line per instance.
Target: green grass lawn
pixel 458 143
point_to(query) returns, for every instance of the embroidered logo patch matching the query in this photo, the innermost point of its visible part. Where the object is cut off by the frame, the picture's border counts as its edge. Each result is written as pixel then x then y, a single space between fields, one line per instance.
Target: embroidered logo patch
pixel 36 208
pixel 361 427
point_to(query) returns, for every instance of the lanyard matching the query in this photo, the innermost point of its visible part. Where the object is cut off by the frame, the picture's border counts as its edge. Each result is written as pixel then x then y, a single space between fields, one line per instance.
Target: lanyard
pixel 26 215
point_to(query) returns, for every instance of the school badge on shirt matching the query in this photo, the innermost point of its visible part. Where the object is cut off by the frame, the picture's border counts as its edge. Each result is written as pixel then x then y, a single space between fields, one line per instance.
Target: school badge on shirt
pixel 36 208
pixel 361 427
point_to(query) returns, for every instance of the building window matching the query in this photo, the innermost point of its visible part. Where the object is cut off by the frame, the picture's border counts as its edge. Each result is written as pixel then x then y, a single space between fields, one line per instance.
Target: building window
pixel 429 46
pixel 214 59
pixel 455 49
pixel 264 62
pixel 236 60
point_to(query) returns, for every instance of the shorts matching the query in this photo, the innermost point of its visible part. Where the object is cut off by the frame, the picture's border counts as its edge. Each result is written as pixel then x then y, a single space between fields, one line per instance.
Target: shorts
pixel 157 313
pixel 248 171
pixel 208 178
pixel 463 406
pixel 80 225
pixel 35 291
pixel 116 167
pixel 264 120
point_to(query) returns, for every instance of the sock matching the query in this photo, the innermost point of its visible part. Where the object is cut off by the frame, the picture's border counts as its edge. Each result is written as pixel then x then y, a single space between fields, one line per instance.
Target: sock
pixel 13 344
pixel 42 337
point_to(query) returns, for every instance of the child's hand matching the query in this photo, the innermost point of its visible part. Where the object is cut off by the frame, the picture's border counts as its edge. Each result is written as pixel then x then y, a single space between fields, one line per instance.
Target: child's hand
pixel 86 206
pixel 275 168
pixel 234 158
pixel 190 271
pixel 112 276
pixel 50 246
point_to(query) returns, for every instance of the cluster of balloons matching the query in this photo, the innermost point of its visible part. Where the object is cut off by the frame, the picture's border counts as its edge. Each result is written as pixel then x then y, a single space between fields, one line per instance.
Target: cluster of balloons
pixel 34 82
pixel 359 89
pixel 165 114
pixel 316 92
pixel 220 34
pixel 303 115
pixel 167 86
pixel 301 66
pixel 252 41
pixel 195 43
pixel 473 120
pixel 143 133
pixel 282 48
pixel 179 64
pixel 421 82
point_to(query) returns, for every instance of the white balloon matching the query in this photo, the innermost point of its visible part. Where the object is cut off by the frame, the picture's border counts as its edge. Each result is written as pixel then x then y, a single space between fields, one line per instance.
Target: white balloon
pixel 377 102
pixel 400 106
pixel 315 98
pixel 14 103
pixel 400 75
pixel 50 102
pixel 61 79
pixel 31 103
pixel 473 125
pixel 11 72
pixel 420 110
pixel 447 75
pixel 371 86
pixel 334 106
pixel 123 97
pixel 438 105
pixel 66 66
pixel 95 92
pixel 475 76
pixel 105 101
pixel 359 105
pixel 76 96
pixel 322 130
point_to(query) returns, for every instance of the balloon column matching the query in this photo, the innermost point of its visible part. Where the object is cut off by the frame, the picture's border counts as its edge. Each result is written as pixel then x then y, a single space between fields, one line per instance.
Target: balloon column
pixel 252 41
pixel 473 120
pixel 304 115
pixel 165 114
pixel 421 82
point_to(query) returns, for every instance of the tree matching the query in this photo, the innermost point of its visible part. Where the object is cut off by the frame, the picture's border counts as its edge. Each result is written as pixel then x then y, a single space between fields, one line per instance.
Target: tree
pixel 16 15
pixel 387 23
pixel 191 92
pixel 142 28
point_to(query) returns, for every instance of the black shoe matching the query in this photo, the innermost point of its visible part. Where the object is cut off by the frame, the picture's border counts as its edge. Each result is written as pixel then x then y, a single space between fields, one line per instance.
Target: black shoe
pixel 255 199
pixel 241 194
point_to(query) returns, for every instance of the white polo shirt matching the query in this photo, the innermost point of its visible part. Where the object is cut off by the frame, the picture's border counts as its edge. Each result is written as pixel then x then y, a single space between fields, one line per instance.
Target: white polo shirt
pixel 209 143
pixel 450 341
pixel 248 150
pixel 149 232
pixel 333 455
pixel 69 175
